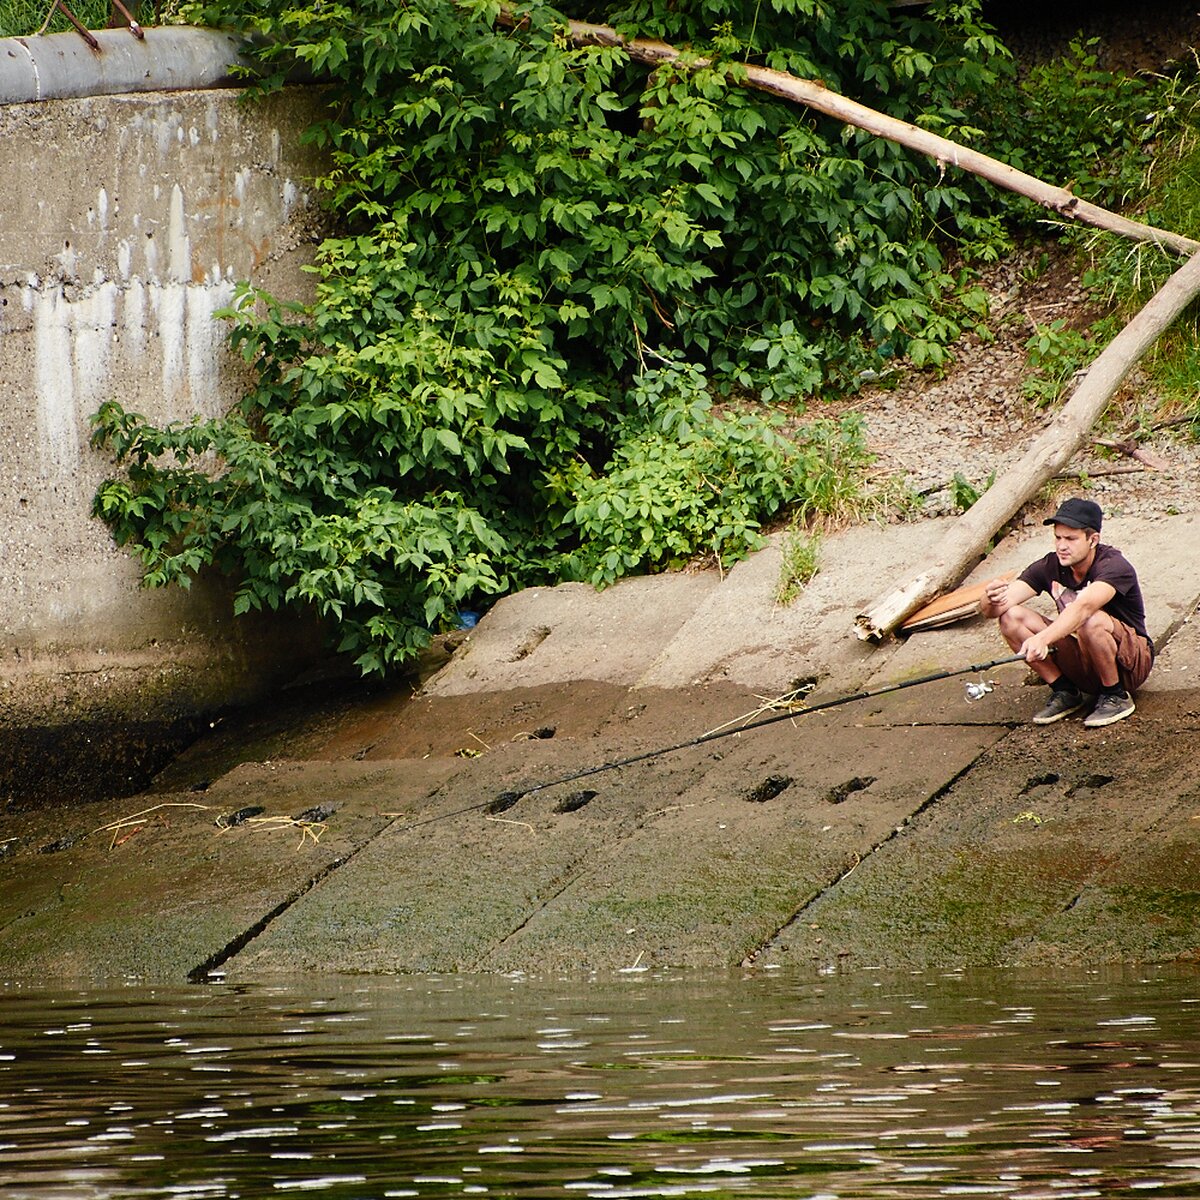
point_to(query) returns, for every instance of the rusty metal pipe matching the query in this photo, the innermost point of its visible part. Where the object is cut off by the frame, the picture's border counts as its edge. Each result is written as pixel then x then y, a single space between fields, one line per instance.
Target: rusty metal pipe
pixel 80 28
pixel 60 66
pixel 134 27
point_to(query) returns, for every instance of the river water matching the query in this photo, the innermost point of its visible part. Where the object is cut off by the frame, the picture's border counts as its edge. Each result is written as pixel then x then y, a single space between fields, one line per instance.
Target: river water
pixel 637 1084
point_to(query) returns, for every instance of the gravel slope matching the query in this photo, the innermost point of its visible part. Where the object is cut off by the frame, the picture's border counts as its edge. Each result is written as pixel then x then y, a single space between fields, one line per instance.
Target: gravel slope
pixel 973 420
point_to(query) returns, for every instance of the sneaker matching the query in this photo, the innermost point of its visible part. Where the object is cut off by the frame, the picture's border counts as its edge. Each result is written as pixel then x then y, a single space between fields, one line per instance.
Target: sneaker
pixel 1109 708
pixel 1061 704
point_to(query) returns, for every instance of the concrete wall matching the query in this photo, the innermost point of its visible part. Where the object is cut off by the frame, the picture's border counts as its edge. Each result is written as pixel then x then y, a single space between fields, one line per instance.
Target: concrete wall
pixel 125 222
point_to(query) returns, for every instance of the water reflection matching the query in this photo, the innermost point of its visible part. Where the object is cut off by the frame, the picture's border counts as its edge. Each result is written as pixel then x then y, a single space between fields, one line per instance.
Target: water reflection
pixel 989 1085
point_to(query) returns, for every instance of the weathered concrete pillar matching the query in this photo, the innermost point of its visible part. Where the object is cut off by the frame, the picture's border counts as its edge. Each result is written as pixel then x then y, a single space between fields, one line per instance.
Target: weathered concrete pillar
pixel 125 222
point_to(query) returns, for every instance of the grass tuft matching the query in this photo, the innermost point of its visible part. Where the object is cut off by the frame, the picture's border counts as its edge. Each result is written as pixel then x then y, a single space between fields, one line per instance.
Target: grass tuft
pixel 24 18
pixel 801 560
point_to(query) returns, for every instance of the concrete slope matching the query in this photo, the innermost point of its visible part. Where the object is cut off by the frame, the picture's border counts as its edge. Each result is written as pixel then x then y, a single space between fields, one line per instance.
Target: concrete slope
pixel 166 887
pixel 906 829
pixel 1061 845
pixel 695 864
pixel 699 629
pixel 740 634
pixel 574 632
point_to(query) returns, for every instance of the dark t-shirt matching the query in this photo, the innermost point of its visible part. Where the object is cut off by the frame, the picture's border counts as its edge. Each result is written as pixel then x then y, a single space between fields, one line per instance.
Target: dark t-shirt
pixel 1109 566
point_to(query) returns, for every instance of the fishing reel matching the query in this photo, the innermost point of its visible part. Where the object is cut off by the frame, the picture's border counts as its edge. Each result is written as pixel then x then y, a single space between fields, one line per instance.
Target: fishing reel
pixel 976 689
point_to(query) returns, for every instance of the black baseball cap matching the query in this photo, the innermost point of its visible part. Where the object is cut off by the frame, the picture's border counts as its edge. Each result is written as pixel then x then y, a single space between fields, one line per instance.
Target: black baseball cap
pixel 1079 514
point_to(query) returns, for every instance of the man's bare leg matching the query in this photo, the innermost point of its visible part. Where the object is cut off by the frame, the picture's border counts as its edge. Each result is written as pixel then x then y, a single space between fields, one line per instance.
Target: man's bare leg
pixel 1098 644
pixel 1099 647
pixel 1018 624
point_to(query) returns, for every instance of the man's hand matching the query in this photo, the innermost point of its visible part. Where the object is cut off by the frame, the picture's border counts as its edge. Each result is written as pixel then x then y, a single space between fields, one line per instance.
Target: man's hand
pixel 1036 648
pixel 996 591
pixel 1002 593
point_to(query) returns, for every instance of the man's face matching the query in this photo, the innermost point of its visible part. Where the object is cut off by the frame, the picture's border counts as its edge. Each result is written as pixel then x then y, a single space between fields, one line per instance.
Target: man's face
pixel 1073 545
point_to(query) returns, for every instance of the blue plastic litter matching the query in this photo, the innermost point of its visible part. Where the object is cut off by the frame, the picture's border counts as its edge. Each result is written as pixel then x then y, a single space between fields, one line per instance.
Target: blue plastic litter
pixel 467 619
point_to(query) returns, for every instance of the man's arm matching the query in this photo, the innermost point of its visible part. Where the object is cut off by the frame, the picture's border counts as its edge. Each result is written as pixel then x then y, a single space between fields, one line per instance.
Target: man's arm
pixel 1090 600
pixel 1000 594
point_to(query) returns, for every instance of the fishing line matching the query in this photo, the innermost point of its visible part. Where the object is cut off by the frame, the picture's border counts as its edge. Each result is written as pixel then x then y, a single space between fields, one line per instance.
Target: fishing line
pixel 507 799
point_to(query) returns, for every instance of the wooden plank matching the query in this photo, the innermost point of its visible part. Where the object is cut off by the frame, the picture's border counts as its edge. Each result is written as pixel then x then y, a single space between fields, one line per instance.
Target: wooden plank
pixel 954 606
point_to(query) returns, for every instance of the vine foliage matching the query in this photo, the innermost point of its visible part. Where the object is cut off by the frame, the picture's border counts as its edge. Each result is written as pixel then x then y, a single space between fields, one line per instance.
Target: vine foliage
pixel 574 311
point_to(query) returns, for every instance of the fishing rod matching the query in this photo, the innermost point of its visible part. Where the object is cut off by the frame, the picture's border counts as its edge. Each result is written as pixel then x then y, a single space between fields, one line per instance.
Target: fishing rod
pixel 508 799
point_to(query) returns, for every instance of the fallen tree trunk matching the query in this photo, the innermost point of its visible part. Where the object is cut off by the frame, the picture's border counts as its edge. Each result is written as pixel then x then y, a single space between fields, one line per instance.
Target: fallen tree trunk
pixel 817 96
pixel 966 543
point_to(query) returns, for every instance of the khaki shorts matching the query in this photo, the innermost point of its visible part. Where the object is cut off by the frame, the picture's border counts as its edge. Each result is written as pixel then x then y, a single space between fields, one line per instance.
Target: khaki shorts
pixel 1134 660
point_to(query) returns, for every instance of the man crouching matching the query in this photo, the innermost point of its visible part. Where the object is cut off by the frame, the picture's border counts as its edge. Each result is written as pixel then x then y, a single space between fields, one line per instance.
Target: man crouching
pixel 1097 645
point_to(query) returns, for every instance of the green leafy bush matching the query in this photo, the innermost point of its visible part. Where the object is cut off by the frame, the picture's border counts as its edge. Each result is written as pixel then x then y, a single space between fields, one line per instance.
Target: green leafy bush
pixel 672 208
pixel 1071 122
pixel 563 288
pixel 686 481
